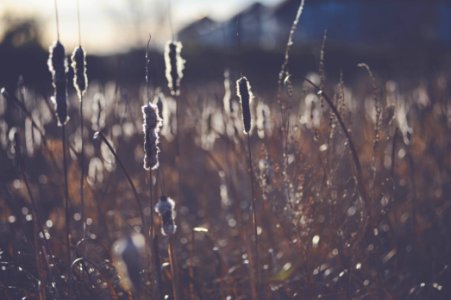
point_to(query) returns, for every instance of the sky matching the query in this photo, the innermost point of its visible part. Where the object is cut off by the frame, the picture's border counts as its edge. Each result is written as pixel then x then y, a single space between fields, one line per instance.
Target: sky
pixel 109 26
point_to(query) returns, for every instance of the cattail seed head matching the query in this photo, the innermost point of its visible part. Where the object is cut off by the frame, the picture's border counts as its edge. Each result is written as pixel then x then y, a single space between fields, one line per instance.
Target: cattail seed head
pixel 14 139
pixel 79 66
pixel 263 120
pixel 227 93
pixel 245 94
pixel 58 67
pixel 166 209
pixel 174 64
pixel 151 129
pixel 159 102
pixel 98 112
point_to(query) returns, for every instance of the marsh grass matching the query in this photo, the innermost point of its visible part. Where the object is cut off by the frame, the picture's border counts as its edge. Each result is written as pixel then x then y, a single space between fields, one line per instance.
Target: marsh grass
pixel 343 204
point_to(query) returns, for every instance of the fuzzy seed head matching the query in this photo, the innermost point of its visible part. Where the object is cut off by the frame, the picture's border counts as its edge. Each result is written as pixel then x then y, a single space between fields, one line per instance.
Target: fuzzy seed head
pixel 245 94
pixel 159 102
pixel 151 128
pixel 166 209
pixel 98 112
pixel 263 120
pixel 58 68
pixel 174 64
pixel 79 66
pixel 227 93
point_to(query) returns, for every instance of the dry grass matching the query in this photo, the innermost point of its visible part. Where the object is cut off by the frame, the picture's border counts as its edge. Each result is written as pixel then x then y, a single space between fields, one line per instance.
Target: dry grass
pixel 351 184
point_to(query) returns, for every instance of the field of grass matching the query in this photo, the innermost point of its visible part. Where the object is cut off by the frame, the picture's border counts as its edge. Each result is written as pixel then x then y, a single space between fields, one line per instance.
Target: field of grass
pixel 319 189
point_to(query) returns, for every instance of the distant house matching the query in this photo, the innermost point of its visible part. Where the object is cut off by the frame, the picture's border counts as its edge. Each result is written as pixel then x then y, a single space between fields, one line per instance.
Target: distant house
pixel 201 32
pixel 368 22
pixel 248 27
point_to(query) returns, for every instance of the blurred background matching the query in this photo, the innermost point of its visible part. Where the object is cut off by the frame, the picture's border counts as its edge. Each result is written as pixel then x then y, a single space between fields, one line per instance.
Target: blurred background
pixel 312 206
pixel 398 38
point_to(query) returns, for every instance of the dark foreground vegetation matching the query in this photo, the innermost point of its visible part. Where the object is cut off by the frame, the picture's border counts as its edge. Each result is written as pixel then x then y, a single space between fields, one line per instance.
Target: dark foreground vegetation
pixel 336 189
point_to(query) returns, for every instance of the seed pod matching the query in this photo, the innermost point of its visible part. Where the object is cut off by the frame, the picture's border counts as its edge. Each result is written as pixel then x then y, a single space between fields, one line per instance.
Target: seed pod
pixel 159 102
pixel 263 120
pixel 227 99
pixel 14 139
pixel 151 129
pixel 79 66
pixel 245 94
pixel 98 112
pixel 174 66
pixel 58 67
pixel 166 209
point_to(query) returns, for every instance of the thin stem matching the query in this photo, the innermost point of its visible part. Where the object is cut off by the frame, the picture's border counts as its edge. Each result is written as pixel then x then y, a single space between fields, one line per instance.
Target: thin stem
pixel 78 20
pixel 393 155
pixel 284 127
pixel 40 130
pixel 178 127
pixel 37 228
pixel 66 200
pixel 157 264
pixel 135 193
pixel 256 283
pixel 151 202
pixel 82 170
pixel 171 255
pixel 160 179
pixel 414 192
pixel 190 266
pixel 147 67
pixel 170 20
pixel 156 259
pixel 358 168
pixel 57 20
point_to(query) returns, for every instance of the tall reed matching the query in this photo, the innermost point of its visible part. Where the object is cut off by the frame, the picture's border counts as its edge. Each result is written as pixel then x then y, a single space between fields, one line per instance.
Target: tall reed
pixel 100 136
pixel 165 207
pixel 358 168
pixel 58 68
pixel 245 94
pixel 37 229
pixel 80 84
pixel 283 76
pixel 151 127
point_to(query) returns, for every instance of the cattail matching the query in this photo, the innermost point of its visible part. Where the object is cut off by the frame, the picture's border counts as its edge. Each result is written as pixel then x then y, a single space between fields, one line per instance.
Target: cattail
pixel 403 125
pixel 79 66
pixel 98 112
pixel 227 100
pixel 151 128
pixel 245 94
pixel 58 67
pixel 14 139
pixel 3 134
pixel 159 101
pixel 263 122
pixel 95 171
pixel 166 209
pixel 174 66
